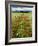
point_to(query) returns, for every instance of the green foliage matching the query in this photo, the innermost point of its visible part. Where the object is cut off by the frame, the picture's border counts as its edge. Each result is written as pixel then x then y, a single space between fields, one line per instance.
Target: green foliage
pixel 21 25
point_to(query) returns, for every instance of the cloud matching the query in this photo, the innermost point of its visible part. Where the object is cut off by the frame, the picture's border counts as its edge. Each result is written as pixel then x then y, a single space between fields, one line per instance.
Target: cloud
pixel 21 9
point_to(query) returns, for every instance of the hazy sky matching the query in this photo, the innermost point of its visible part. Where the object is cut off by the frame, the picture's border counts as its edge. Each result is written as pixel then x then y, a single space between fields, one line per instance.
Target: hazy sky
pixel 21 9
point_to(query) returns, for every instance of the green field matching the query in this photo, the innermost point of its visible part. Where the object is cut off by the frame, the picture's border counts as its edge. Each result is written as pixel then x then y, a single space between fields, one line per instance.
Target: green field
pixel 21 24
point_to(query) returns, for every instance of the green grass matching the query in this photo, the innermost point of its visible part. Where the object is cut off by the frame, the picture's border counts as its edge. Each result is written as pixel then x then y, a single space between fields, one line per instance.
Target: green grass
pixel 21 24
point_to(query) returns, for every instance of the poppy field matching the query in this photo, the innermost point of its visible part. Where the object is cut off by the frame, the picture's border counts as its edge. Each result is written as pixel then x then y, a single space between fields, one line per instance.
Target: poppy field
pixel 21 24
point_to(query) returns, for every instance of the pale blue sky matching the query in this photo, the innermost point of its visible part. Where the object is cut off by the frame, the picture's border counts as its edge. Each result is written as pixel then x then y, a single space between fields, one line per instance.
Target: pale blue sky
pixel 21 9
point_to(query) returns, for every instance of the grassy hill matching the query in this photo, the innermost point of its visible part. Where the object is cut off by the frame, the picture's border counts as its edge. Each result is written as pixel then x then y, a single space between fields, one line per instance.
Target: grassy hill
pixel 21 24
